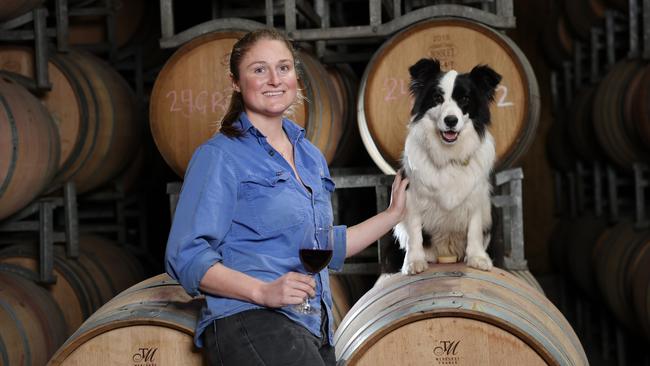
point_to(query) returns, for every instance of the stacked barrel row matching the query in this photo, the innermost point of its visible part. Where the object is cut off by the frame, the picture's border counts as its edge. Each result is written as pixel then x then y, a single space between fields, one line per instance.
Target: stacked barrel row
pixel 572 22
pixel 603 123
pixel 608 122
pixel 193 90
pixel 609 264
pixel 36 319
pixel 83 130
pixel 89 102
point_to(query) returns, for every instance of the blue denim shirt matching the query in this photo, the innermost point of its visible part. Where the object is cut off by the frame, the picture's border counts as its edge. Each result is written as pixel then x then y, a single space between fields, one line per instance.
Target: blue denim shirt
pixel 242 205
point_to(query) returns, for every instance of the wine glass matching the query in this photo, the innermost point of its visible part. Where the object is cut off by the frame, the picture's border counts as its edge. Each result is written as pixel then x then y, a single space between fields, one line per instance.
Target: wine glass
pixel 315 253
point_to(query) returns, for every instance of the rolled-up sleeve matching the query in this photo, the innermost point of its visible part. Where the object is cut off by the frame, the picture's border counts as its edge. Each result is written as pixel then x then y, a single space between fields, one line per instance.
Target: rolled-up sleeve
pixel 203 217
pixel 340 243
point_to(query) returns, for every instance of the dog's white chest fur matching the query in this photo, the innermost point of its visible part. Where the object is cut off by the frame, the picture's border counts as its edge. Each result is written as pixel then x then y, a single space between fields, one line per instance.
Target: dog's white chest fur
pixel 448 157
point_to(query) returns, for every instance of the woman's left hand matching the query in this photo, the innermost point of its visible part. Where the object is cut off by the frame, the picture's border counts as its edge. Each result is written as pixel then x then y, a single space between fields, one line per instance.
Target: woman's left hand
pixel 397 207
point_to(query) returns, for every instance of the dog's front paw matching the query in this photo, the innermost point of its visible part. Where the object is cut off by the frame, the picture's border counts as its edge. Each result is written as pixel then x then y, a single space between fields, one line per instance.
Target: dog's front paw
pixel 480 262
pixel 416 266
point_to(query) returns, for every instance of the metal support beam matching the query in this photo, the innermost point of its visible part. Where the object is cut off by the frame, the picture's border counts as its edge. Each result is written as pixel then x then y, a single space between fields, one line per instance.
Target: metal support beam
pixel 375 12
pixel 612 183
pixel 610 37
pixel 46 243
pixel 290 16
pixel 166 19
pixel 511 204
pixel 633 29
pixel 640 185
pixel 505 8
pixel 61 8
pixel 646 29
pixel 40 49
pixel 71 220
pixel 268 6
pixel 596 46
pixel 598 189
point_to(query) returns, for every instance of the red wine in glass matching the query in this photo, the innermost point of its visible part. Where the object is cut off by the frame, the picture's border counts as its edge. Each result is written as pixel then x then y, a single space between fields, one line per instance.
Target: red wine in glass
pixel 315 253
pixel 315 260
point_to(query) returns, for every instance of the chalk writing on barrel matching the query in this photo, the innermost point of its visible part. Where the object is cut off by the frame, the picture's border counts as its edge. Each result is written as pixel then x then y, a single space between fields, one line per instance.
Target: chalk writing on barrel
pixel 397 88
pixel 189 102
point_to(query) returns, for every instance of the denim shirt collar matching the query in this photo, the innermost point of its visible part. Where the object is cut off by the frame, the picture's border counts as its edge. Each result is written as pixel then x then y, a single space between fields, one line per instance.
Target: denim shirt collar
pixel 292 130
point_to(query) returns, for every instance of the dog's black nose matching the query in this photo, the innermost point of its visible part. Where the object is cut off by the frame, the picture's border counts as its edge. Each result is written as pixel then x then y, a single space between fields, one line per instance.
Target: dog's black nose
pixel 451 121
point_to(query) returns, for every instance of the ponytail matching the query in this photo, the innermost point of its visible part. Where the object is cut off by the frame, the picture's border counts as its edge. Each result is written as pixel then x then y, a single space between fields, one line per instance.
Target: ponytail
pixel 235 108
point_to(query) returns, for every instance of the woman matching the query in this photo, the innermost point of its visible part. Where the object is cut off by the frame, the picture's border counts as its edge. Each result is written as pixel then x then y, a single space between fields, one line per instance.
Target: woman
pixel 249 195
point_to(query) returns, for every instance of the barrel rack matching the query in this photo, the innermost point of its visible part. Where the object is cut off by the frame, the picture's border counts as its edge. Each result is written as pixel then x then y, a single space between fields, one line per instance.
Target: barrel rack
pixel 303 21
pixel 56 217
pixel 378 259
pixel 39 217
pixel 494 13
pixel 597 187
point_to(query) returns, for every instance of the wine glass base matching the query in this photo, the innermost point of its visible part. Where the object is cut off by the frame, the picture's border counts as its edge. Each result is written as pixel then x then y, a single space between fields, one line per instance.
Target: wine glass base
pixel 305 308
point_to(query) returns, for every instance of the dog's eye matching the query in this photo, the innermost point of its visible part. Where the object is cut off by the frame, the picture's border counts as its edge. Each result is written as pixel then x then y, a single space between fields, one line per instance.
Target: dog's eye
pixel 464 100
pixel 438 99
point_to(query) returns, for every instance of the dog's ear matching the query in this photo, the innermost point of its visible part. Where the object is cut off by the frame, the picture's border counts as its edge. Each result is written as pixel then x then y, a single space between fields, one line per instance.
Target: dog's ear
pixel 421 70
pixel 485 79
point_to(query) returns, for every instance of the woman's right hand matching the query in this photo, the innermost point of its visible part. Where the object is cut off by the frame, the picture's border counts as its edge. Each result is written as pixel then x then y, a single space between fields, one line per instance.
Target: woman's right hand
pixel 290 289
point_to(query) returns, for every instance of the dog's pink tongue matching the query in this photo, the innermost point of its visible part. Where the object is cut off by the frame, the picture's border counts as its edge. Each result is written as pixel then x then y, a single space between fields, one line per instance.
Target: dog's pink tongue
pixel 450 135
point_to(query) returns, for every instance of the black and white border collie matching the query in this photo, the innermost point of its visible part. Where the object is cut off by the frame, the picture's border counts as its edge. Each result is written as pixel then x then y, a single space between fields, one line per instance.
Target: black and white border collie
pixel 448 157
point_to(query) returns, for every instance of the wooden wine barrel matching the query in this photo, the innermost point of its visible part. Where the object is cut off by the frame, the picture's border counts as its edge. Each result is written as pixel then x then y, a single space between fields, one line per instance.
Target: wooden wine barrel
pixel 526 276
pixel 31 323
pixel 559 151
pixel 585 234
pixel 130 179
pixel 118 128
pixel 320 113
pixel 453 314
pixel 558 242
pixel 121 268
pixel 615 262
pixel 581 127
pixel 93 107
pixel 346 290
pixel 76 292
pixel 29 147
pixel 637 109
pixel 641 290
pixel 92 29
pixel 151 322
pixel 615 133
pixel 350 151
pixel 384 102
pixel 557 41
pixel 65 101
pixel 193 90
pixel 13 8
pixel 341 301
pixel 83 285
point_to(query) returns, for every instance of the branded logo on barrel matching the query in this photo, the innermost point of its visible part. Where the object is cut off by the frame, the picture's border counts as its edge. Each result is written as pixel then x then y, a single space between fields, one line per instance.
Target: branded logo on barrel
pixel 445 352
pixel 145 357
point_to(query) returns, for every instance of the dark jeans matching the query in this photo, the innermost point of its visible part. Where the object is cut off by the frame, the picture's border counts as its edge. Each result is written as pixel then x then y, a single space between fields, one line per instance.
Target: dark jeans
pixel 264 337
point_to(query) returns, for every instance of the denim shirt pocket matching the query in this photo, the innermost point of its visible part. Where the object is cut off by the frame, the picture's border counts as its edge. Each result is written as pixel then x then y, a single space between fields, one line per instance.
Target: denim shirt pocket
pixel 273 202
pixel 323 200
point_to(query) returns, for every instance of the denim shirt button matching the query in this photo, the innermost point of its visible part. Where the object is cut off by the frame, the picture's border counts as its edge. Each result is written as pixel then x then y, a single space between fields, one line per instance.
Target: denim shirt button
pixel 271 152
